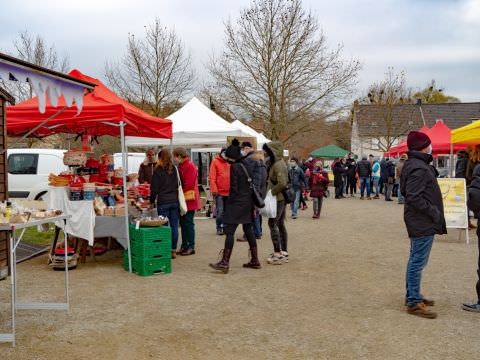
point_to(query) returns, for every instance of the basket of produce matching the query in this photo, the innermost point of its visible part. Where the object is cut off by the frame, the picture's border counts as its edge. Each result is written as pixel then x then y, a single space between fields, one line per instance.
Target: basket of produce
pixel 74 158
pixel 152 221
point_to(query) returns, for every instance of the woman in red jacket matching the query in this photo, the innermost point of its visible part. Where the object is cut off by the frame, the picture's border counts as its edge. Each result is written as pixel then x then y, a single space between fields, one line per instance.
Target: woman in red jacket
pixel 189 176
pixel 318 187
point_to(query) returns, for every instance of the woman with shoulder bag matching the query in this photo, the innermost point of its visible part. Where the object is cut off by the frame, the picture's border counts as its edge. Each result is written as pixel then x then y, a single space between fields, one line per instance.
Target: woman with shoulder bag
pixel 189 177
pixel 164 192
pixel 239 209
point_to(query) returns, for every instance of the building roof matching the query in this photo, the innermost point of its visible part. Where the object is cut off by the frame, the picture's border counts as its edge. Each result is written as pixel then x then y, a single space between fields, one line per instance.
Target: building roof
pixel 370 118
pixel 4 58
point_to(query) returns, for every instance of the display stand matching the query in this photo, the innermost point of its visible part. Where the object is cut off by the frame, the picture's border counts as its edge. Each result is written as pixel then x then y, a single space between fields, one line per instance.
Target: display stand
pixel 14 241
pixel 454 196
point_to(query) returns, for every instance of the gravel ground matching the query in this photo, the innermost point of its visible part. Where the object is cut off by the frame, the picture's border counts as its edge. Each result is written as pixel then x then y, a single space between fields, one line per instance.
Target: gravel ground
pixel 340 297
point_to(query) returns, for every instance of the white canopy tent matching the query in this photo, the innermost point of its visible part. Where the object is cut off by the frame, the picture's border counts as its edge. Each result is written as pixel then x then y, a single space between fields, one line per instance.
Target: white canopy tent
pixel 261 139
pixel 194 125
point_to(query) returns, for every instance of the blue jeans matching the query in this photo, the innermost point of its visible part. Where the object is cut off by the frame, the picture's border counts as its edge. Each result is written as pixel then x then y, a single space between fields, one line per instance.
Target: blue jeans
pixel 296 203
pixel 172 212
pixel 419 252
pixel 401 198
pixel 365 183
pixel 220 206
pixel 257 223
pixel 376 181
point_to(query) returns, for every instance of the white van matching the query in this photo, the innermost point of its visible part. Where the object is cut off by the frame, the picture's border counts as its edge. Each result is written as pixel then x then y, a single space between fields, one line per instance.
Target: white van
pixel 28 171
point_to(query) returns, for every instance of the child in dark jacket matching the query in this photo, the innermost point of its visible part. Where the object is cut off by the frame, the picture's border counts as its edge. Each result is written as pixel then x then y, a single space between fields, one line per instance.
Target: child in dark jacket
pixel 318 188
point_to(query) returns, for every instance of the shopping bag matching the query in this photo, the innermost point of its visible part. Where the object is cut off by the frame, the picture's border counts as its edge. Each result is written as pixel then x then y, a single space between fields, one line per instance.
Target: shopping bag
pixel 182 203
pixel 270 208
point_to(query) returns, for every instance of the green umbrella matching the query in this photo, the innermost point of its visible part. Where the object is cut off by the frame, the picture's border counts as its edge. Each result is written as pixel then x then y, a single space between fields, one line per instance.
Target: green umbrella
pixel 329 152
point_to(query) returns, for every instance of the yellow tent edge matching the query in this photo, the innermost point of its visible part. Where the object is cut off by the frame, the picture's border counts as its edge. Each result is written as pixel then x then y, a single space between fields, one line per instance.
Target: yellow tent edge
pixel 468 134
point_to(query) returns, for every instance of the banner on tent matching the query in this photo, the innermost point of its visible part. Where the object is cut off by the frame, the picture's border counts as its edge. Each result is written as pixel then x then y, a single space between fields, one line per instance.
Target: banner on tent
pixel 454 194
pixel 250 139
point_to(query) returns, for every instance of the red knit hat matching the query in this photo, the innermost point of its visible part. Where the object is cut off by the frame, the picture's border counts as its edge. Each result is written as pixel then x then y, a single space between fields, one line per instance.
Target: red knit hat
pixel 417 140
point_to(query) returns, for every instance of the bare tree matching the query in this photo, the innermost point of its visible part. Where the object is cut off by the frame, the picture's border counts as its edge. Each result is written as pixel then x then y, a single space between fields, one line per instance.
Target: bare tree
pixel 387 94
pixel 431 94
pixel 35 50
pixel 155 70
pixel 276 66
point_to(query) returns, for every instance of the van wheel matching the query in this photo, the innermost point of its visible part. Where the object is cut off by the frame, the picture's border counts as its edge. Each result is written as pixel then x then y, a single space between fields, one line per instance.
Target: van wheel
pixel 40 196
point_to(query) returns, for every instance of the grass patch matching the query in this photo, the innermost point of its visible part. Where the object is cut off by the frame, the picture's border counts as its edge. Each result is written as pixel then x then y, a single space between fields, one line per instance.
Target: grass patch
pixel 34 237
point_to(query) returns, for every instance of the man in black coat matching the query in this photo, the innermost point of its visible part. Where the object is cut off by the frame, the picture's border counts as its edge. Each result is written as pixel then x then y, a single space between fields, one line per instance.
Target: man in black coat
pixel 423 215
pixel 364 170
pixel 351 165
pixel 388 178
pixel 461 164
pixel 474 205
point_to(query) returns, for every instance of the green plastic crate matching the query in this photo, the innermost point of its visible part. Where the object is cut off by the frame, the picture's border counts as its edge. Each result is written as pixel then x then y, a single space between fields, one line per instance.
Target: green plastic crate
pixel 162 243
pixel 148 267
pixel 152 250
pixel 148 234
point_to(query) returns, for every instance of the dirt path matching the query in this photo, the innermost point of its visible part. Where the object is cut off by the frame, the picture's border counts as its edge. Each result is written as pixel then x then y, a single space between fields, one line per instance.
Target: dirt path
pixel 340 297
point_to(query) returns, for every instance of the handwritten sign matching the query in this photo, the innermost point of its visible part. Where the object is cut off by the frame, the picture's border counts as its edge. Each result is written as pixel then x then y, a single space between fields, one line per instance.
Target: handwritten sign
pixel 454 194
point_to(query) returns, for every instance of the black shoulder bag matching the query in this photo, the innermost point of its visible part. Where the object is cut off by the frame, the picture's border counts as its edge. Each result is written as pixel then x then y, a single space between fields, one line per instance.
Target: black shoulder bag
pixel 288 192
pixel 257 198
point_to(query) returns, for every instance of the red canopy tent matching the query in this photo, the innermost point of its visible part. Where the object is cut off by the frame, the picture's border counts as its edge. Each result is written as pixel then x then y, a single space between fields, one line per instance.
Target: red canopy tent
pixel 401 148
pixel 104 113
pixel 102 108
pixel 441 137
pixel 440 134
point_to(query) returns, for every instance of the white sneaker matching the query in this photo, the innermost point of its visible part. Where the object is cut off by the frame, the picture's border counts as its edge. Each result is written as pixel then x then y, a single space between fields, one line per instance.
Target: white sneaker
pixel 285 256
pixel 275 259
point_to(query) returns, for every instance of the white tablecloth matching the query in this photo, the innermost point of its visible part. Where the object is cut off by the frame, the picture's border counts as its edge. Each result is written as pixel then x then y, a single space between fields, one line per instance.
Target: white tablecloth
pixel 82 221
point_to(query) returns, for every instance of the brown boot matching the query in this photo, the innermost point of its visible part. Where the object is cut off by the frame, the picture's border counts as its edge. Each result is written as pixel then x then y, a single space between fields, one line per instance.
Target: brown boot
pixel 421 310
pixel 223 265
pixel 427 302
pixel 253 263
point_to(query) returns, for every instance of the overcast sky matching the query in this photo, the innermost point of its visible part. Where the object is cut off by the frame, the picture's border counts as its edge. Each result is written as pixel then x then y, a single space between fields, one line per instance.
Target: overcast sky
pixel 428 39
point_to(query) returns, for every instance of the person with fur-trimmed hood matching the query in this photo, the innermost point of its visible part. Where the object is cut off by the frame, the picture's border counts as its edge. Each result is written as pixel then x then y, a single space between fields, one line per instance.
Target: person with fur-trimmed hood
pixel 239 209
pixel 277 182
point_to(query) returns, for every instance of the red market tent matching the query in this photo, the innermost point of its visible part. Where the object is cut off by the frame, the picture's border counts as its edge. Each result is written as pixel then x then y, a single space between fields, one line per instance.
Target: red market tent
pixel 401 148
pixel 102 108
pixel 440 135
pixel 104 113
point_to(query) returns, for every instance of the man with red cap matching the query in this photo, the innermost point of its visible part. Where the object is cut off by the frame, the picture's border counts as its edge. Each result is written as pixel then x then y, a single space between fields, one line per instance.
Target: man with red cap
pixel 423 215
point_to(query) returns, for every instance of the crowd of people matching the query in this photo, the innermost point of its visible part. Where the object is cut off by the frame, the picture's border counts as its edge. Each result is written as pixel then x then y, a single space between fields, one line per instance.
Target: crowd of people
pixel 239 171
pixel 370 176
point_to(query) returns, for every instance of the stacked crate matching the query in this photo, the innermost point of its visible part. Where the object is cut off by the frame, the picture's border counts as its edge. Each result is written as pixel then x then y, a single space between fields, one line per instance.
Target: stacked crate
pixel 151 249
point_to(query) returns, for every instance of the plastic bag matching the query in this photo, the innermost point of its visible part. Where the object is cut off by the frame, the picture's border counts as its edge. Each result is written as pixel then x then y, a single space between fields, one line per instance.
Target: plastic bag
pixel 270 208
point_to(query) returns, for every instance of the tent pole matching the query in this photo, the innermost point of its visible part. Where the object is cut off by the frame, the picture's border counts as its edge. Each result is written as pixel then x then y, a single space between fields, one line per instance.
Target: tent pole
pixel 125 193
pixel 451 158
